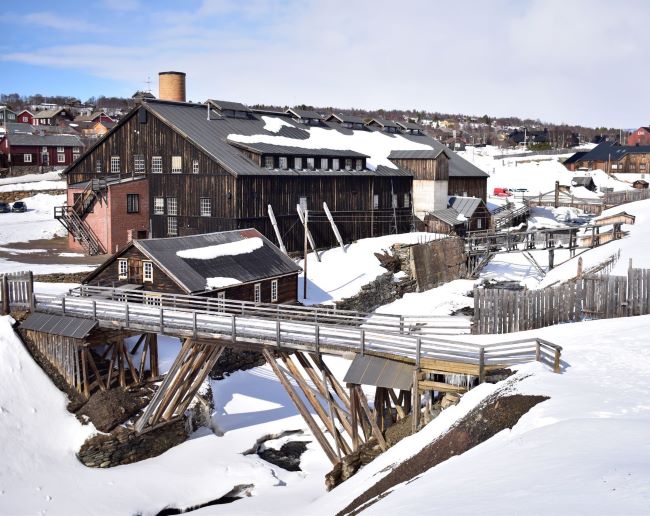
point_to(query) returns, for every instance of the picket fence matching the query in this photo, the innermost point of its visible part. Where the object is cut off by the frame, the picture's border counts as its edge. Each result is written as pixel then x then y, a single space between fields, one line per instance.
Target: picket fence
pixel 16 289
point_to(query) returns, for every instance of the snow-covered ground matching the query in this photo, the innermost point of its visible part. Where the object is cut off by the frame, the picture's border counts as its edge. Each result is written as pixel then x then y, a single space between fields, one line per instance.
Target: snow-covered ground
pixel 36 223
pixel 32 178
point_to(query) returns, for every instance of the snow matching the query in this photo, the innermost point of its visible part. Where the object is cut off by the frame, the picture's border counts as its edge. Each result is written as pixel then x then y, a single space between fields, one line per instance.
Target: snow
pixel 248 245
pixel 38 185
pixel 219 282
pixel 442 300
pixel 36 223
pixel 375 144
pixel 341 274
pixel 273 124
pixel 31 178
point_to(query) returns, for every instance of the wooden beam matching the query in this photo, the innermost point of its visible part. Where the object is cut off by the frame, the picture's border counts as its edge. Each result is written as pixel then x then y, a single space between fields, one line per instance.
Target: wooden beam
pixel 320 437
pixel 363 402
pixel 93 366
pixel 415 403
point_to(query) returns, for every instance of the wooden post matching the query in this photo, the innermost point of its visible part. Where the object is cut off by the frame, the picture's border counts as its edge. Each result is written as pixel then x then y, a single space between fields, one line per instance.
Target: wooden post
pixel 30 291
pixel 363 401
pixel 481 365
pixel 305 255
pixel 415 404
pixel 276 229
pixel 153 355
pixel 302 217
pixel 354 419
pixel 556 361
pixel 334 228
pixel 580 265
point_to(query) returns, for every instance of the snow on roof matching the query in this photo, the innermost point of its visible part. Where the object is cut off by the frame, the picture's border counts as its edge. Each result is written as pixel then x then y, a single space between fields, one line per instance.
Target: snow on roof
pixel 221 282
pixel 211 252
pixel 274 123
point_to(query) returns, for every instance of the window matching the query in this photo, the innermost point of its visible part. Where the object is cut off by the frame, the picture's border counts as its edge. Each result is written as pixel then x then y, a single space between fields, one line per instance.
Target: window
pixel 44 149
pixel 310 163
pixel 60 157
pixel 27 158
pixel 348 163
pixel 172 226
pixel 147 271
pixel 138 164
pixel 375 202
pixel 177 164
pixel 25 119
pixel 303 203
pixel 358 164
pixel 258 292
pixel 172 206
pixel 122 269
pixel 98 166
pixel 336 164
pixel 479 224
pixel 268 162
pixel 324 165
pixel 407 200
pixel 60 149
pixel 156 164
pixel 153 299
pixel 274 291
pixel 158 205
pixel 394 200
pixel 195 166
pixel 283 162
pixel 132 203
pixel 297 163
pixel 75 153
pixel 115 164
pixel 206 208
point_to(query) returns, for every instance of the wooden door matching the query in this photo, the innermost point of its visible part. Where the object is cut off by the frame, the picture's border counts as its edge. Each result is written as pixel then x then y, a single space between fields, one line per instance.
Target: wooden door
pixel 135 270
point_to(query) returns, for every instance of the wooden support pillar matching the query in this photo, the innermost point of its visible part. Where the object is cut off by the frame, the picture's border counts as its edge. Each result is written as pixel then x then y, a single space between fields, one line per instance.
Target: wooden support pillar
pixel 5 295
pixel 415 403
pixel 363 402
pixel 153 355
pixel 354 419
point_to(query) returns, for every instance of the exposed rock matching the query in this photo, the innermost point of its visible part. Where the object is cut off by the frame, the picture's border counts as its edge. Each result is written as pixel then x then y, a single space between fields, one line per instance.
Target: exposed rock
pixel 107 409
pixel 384 289
pixel 61 277
pixel 287 457
pixel 232 360
pixel 19 195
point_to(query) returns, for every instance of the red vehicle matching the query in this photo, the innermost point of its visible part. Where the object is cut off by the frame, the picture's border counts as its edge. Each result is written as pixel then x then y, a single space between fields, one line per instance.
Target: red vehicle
pixel 502 192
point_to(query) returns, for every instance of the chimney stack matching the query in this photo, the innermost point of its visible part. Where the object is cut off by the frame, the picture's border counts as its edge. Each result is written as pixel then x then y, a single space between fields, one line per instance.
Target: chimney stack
pixel 171 86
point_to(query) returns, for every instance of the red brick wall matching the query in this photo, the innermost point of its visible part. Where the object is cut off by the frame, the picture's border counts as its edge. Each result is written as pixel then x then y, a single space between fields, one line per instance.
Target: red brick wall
pixel 120 222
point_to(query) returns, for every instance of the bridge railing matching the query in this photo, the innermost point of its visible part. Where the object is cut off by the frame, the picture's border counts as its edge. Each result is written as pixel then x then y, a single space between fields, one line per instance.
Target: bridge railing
pixel 422 325
pixel 297 335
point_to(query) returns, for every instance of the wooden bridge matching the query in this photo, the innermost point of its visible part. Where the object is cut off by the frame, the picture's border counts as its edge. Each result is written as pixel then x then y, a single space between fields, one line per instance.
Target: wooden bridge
pixel 396 355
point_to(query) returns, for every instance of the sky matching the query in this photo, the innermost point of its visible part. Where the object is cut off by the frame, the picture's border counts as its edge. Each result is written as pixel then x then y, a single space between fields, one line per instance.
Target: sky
pixel 562 61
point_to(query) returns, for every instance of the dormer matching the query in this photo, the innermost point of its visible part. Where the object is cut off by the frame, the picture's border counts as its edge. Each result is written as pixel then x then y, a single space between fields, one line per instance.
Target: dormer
pixel 410 127
pixel 305 116
pixel 347 121
pixel 229 109
pixel 386 126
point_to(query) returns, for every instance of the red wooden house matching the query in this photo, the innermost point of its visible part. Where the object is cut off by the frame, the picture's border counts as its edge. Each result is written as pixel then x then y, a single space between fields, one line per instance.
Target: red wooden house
pixel 39 153
pixel 639 137
pixel 25 117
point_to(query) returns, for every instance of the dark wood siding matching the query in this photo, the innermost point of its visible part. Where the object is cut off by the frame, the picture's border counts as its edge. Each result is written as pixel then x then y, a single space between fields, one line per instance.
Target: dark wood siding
pixel 435 169
pixel 468 187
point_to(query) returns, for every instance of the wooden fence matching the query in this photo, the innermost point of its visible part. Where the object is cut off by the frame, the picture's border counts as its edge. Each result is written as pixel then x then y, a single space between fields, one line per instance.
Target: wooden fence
pixel 587 297
pixel 616 198
pixel 16 291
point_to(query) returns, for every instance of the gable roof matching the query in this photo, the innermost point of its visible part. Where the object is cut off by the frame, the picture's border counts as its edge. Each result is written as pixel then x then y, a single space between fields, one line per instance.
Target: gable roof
pixel 613 151
pixel 341 118
pixel 47 140
pixel 419 154
pixel 383 122
pixel 303 113
pixel 224 105
pixel 574 157
pixel 265 261
pixel 48 113
pixel 409 125
pixel 465 205
pixel 448 216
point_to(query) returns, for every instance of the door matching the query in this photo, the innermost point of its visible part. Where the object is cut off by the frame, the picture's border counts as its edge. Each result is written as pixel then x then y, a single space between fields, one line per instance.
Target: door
pixel 45 159
pixel 135 270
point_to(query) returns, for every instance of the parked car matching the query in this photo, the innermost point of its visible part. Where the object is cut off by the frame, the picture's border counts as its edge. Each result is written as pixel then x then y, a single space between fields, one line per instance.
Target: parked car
pixel 19 207
pixel 502 192
pixel 4 207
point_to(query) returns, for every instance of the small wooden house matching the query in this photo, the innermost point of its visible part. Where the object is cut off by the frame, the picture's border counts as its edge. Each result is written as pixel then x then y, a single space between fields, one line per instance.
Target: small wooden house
pixel 463 214
pixel 584 181
pixel 640 184
pixel 238 265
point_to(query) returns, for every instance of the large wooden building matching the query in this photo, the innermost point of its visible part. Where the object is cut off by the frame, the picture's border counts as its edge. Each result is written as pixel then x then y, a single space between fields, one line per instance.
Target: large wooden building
pixel 612 158
pixel 236 265
pixel 219 166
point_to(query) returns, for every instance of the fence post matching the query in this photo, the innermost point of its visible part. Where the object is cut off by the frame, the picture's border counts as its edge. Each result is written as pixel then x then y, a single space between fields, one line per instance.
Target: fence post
pixel 401 324
pixel 481 365
pixel 126 314
pixel 418 348
pixel 94 309
pixel 30 290
pixel 63 306
pixel 363 341
pixel 538 351
pixel 162 320
pixel 556 361
pixel 5 295
pixel 194 331
pixel 277 332
pixel 233 328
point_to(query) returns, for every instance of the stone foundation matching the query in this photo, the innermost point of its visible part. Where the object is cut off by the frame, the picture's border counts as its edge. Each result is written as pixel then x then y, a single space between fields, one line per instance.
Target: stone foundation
pixel 17 196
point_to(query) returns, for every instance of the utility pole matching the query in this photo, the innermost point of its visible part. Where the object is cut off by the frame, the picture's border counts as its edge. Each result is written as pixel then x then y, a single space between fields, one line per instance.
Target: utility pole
pixel 305 252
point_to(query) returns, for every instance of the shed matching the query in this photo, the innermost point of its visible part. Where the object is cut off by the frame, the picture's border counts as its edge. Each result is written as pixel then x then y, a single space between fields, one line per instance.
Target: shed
pixel 461 215
pixel 584 181
pixel 640 184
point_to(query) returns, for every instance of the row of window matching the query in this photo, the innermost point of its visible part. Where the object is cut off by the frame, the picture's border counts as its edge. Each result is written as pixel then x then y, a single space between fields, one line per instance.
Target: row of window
pixel 139 165
pixel 299 163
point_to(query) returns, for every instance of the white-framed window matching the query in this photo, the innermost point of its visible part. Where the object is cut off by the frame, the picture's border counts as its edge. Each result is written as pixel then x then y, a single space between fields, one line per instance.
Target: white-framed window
pixel 303 203
pixel 283 162
pixel 324 165
pixel 407 200
pixel 115 164
pixel 60 157
pixel 268 162
pixel 172 226
pixel 44 149
pixel 394 200
pixel 138 163
pixel 274 291
pixel 206 207
pixel 348 163
pixel 311 163
pixel 122 269
pixel 297 163
pixel 258 292
pixel 177 164
pixel 195 166
pixel 147 272
pixel 98 166
pixel 375 202
pixel 25 119
pixel 156 164
pixel 60 149
pixel 153 299
pixel 27 158
pixel 358 163
pixel 75 154
pixel 158 205
pixel 172 206
pixel 221 301
pixel 336 164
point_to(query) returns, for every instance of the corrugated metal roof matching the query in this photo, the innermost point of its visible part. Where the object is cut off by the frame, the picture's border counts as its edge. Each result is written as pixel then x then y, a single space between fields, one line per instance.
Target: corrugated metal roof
pixel 448 216
pixel 465 205
pixel 383 122
pixel 304 113
pixel 66 326
pixel 222 105
pixel 350 119
pixel 47 140
pixel 417 154
pixel 409 125
pixel 369 370
pixel 269 148
pixel 265 262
